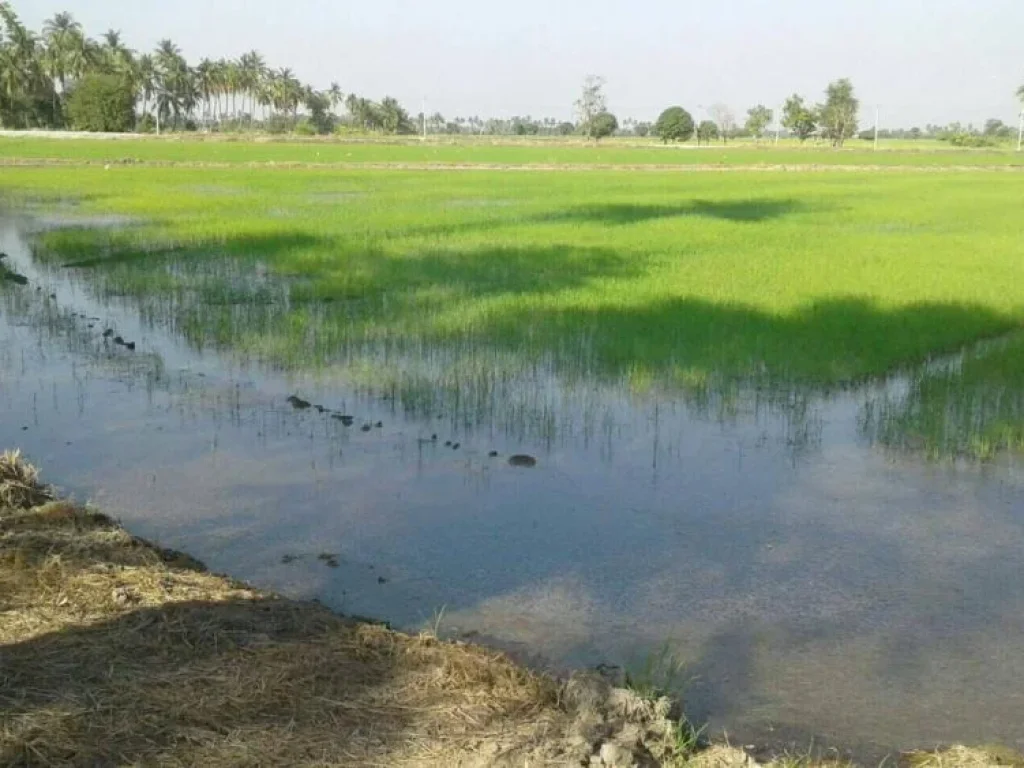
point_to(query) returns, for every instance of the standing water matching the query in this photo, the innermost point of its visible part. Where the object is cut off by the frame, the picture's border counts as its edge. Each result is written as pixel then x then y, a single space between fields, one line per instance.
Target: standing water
pixel 815 575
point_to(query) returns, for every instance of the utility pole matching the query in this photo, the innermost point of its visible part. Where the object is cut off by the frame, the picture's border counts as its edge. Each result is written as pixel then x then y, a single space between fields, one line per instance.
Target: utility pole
pixel 1020 132
pixel 424 113
pixel 876 128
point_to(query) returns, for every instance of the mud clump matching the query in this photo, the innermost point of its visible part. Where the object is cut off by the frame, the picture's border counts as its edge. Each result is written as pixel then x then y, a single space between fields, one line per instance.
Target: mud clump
pixel 298 403
pixel 522 460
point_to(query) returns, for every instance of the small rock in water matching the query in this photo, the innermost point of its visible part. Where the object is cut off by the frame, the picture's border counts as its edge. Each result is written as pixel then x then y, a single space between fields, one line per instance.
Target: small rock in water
pixel 522 460
pixel 118 340
pixel 366 427
pixel 52 295
pixel 108 333
pixel 493 454
pixel 433 438
pixel 379 425
pixel 447 443
pixel 346 420
pixel 381 580
pixel 298 403
pixel 319 408
pixel 456 446
pixel 130 345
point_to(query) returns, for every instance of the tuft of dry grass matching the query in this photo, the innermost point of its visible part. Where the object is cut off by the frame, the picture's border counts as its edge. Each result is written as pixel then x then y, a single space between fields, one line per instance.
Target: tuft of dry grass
pixel 113 651
pixel 19 483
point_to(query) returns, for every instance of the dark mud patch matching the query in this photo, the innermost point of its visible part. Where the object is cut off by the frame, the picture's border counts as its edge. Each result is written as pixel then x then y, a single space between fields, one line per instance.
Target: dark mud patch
pixel 522 460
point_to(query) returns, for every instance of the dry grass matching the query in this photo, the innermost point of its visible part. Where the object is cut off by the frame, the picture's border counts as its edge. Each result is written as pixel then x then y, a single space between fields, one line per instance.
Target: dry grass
pixel 19 482
pixel 114 652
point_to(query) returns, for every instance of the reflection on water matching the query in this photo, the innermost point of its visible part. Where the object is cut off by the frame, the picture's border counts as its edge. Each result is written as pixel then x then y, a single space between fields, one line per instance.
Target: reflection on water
pixel 816 586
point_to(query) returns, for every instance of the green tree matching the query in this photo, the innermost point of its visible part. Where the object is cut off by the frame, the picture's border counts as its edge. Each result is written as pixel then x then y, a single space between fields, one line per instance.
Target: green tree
pixel 797 118
pixel 103 103
pixel 838 114
pixel 707 131
pixel 603 124
pixel 319 106
pixel 393 118
pixel 758 119
pixel 64 56
pixel 674 124
pixel 996 128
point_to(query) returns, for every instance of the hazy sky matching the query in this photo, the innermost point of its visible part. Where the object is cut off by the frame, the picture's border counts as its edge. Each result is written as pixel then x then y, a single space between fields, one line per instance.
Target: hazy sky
pixel 921 61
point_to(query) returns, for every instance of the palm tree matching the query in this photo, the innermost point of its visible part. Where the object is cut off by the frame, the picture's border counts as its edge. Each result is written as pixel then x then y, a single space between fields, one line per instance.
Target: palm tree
pixel 252 68
pixel 335 95
pixel 145 79
pixel 205 83
pixel 65 54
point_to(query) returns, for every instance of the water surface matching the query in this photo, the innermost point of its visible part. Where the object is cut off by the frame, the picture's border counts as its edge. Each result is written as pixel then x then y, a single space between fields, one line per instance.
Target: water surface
pixel 825 568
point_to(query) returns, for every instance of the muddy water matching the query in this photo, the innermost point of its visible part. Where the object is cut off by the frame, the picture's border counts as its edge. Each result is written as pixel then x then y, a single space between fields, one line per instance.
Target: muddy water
pixel 814 583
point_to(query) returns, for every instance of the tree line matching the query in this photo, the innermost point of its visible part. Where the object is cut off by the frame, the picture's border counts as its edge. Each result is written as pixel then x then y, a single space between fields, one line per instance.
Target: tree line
pixel 62 78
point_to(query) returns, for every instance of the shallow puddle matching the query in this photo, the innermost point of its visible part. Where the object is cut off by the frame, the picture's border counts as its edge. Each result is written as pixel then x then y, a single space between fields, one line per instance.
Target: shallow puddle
pixel 819 577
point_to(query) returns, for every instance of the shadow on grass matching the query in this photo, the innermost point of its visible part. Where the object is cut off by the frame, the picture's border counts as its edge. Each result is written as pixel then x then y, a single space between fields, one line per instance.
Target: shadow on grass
pixel 831 341
pixel 753 210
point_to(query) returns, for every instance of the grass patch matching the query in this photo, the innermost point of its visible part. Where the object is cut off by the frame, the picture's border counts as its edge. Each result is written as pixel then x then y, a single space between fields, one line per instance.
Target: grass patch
pixel 666 279
pixel 973 407
pixel 489 151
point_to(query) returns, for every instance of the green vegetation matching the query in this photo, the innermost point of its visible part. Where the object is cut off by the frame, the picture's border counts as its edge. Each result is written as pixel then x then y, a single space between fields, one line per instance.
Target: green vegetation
pixel 684 280
pixel 102 103
pixel 481 152
pixel 707 131
pixel 974 408
pixel 674 124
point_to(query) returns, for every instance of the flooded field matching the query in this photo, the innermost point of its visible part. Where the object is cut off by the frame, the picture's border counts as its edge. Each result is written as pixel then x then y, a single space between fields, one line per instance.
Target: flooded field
pixel 836 564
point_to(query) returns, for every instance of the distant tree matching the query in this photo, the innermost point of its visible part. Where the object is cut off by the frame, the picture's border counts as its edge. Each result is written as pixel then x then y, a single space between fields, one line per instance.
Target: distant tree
pixel 590 104
pixel 674 124
pixel 914 133
pixel 838 114
pixel 707 131
pixel 603 124
pixel 996 128
pixel 319 106
pixel 797 118
pixel 103 103
pixel 724 119
pixel 393 118
pixel 642 129
pixel 565 129
pixel 758 118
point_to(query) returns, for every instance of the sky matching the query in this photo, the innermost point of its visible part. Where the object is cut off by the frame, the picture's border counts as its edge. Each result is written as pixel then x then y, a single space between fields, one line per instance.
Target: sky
pixel 917 61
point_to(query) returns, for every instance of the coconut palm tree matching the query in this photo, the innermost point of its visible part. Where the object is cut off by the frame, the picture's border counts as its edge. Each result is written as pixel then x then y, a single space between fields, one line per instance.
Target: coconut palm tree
pixel 335 95
pixel 252 68
pixel 204 78
pixel 145 80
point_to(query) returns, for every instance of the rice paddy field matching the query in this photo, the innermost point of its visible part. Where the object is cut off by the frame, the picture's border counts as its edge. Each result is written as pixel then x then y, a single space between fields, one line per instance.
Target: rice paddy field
pixel 633 153
pixel 770 417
